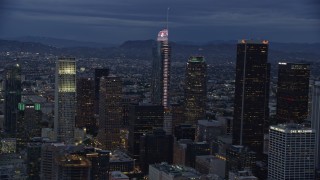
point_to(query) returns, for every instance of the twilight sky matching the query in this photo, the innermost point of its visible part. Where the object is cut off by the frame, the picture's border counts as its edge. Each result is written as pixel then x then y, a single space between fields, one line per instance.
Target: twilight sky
pixel 115 21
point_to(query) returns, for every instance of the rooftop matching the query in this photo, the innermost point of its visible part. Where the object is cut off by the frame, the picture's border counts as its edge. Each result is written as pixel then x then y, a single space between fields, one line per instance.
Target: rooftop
pixel 291 128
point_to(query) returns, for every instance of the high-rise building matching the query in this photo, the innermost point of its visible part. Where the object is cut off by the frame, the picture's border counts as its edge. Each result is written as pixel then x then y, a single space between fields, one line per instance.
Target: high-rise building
pixel 185 131
pixel 12 96
pixel 315 118
pixel 85 105
pixel 291 152
pixel 110 112
pixel 142 119
pixel 160 85
pixel 292 92
pixel 239 158
pixel 155 147
pixel 195 89
pixel 98 73
pixel 65 99
pixel 29 119
pixel 100 163
pixel 251 99
pixel 73 167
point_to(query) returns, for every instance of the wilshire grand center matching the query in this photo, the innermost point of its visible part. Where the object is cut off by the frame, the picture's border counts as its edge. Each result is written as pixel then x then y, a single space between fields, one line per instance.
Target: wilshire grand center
pixel 161 70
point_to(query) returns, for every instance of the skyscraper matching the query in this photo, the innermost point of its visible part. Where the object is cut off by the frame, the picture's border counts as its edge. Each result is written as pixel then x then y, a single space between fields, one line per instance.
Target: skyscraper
pixel 292 92
pixel 315 118
pixel 28 123
pixel 65 99
pixel 142 119
pixel 160 84
pixel 155 147
pixel 85 105
pixel 251 94
pixel 12 96
pixel 196 89
pixel 110 113
pixel 98 73
pixel 291 152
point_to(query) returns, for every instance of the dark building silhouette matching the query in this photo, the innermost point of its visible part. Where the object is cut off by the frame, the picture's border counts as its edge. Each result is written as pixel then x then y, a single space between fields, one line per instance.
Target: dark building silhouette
pixel 185 131
pixel 155 147
pixel 100 163
pixel 28 124
pixel 142 119
pixel 292 92
pixel 160 84
pixel 195 89
pixel 239 158
pixel 98 73
pixel 196 149
pixel 85 105
pixel 110 112
pixel 12 96
pixel 251 99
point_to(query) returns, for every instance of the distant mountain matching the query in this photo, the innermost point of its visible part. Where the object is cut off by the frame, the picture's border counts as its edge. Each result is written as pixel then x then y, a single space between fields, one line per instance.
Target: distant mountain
pixel 61 43
pixel 214 52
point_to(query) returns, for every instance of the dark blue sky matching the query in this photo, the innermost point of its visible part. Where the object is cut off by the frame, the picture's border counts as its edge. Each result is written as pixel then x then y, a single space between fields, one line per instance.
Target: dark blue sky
pixel 115 21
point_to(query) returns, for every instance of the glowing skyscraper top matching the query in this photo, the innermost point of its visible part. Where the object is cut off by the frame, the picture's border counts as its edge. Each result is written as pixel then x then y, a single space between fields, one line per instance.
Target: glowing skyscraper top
pixel 161 70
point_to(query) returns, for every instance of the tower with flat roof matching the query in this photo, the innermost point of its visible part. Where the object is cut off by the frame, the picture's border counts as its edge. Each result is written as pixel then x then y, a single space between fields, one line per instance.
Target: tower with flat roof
pixel 291 152
pixel 65 99
pixel 251 99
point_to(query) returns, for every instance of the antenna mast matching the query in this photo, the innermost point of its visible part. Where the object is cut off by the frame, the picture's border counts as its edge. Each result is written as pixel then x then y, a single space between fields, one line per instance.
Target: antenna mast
pixel 168 19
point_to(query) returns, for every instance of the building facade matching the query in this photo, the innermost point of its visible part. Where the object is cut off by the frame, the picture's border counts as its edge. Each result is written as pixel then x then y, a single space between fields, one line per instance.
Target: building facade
pixel 195 89
pixel 291 152
pixel 251 99
pixel 12 96
pixel 160 85
pixel 85 105
pixel 292 92
pixel 110 112
pixel 65 99
pixel 315 118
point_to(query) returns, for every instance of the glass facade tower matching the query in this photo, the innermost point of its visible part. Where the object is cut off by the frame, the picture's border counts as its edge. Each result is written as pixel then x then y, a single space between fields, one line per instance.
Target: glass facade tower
pixel 251 110
pixel 65 99
pixel 160 84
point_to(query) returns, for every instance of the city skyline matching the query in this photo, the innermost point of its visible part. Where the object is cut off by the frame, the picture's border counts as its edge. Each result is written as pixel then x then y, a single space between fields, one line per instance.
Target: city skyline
pixel 110 22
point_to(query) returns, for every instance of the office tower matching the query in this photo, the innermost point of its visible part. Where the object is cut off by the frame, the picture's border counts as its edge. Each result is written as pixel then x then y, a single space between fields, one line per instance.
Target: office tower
pixel 120 161
pixel 110 113
pixel 100 161
pixel 315 118
pixel 155 147
pixel 48 154
pixel 292 92
pixel 195 89
pixel 178 117
pixel 29 123
pixel 251 94
pixel 98 73
pixel 239 158
pixel 12 96
pixel 85 105
pixel 209 130
pixel 291 152
pixel 73 167
pixel 160 84
pixel 65 99
pixel 185 151
pixel 185 131
pixel 142 119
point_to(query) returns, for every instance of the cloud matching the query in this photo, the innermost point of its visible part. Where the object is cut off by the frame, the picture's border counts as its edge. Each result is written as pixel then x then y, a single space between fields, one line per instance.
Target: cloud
pixel 147 16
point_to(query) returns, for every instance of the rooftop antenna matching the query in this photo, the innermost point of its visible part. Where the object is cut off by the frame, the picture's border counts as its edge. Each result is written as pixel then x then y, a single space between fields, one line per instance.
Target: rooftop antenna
pixel 168 18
